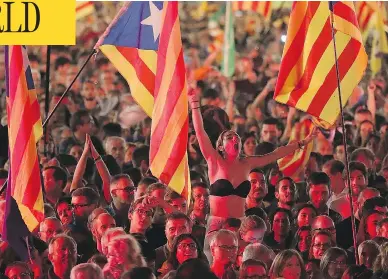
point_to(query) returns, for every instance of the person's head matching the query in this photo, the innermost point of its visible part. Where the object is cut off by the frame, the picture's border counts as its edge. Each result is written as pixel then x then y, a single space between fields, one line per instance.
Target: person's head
pixel 49 228
pixel 334 263
pixel 81 121
pixel 229 144
pixel 115 146
pixel 257 251
pixel 270 131
pixel 357 272
pixel 314 164
pixel 224 246
pixel 142 186
pixel 157 190
pixel 288 264
pixel 99 226
pixel 249 143
pixel 252 229
pixel 124 251
pixel 381 263
pixel 193 269
pixel 375 204
pixel 280 220
pixel 334 170
pixel 366 127
pixel 176 200
pixel 108 236
pixel 369 222
pixel 318 189
pixel 232 224
pixel 122 189
pixel 200 196
pixel 140 158
pixel 304 214
pixel 84 200
pixel 323 222
pixel 177 223
pixel 54 180
pixel 185 247
pixel 18 270
pixel 62 252
pixel 365 156
pixel 88 91
pixel 76 151
pixel 140 216
pixel 259 188
pixel 367 194
pixel 86 270
pixel 64 210
pixel 382 228
pixel 368 252
pixel 303 237
pixel 285 191
pixel 139 273
pixel 358 177
pixel 320 242
pixel 361 115
pixel 253 269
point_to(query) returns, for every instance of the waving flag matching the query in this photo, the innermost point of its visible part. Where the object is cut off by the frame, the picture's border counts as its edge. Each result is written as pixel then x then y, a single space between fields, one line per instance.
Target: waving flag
pixel 294 163
pixel 24 198
pixel 307 78
pixel 262 7
pixel 144 43
pixel 83 9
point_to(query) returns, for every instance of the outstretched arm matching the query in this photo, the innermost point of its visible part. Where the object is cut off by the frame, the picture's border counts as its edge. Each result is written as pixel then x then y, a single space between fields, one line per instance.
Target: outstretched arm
pixel 81 166
pixel 261 161
pixel 203 139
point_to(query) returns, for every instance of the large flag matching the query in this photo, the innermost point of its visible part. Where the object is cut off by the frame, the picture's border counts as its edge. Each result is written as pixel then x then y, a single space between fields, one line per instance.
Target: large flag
pixel 144 43
pixel 294 163
pixel 307 78
pixel 364 15
pixel 228 62
pixel 83 9
pixel 24 198
pixel 262 7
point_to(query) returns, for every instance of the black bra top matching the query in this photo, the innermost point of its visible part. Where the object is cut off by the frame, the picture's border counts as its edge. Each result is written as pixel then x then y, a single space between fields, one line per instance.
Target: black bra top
pixel 223 188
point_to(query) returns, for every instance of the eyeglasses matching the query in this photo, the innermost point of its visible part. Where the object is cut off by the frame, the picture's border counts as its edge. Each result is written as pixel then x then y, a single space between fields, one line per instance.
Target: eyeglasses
pixel 330 230
pixel 337 263
pixel 143 212
pixel 227 247
pixel 128 189
pixel 321 245
pixel 191 246
pixel 76 206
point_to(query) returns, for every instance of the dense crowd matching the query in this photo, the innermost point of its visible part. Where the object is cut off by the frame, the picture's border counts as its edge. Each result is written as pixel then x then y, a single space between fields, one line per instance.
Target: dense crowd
pixel 106 216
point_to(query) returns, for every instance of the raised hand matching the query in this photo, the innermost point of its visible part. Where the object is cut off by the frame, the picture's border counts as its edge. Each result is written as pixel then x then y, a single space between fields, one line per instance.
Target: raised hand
pixel 312 135
pixel 93 150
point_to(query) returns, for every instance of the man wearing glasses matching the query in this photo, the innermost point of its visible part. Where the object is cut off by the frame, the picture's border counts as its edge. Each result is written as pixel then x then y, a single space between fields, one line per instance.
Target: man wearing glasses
pixel 84 201
pixel 223 248
pixel 18 270
pixel 122 191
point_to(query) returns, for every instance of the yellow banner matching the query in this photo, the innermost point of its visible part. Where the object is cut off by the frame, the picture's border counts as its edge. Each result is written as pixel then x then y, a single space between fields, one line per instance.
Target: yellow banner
pixel 37 22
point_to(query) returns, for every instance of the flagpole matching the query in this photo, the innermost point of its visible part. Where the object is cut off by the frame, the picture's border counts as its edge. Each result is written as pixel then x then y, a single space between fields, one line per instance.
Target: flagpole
pixel 58 103
pixel 47 96
pixel 344 138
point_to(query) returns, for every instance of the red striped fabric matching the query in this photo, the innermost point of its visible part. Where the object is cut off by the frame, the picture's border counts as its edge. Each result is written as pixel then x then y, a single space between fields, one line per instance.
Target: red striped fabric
pixel 262 7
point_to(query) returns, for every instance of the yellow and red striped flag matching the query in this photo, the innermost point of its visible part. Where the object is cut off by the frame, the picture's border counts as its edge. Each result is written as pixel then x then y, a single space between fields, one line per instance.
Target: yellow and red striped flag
pixel 83 9
pixel 365 13
pixel 144 43
pixel 24 198
pixel 262 7
pixel 307 78
pixel 294 163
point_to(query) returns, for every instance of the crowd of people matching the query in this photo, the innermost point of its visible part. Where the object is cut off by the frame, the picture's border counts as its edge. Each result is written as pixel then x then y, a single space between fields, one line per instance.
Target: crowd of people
pixel 107 216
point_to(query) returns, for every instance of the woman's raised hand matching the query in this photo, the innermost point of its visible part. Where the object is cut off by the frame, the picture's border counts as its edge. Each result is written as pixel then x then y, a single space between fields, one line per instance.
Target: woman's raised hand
pixel 312 135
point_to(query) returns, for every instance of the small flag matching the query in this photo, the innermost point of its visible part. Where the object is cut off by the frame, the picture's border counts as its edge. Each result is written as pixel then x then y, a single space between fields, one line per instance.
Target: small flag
pixel 144 43
pixel 24 197
pixel 228 62
pixel 264 8
pixel 307 77
pixel 83 9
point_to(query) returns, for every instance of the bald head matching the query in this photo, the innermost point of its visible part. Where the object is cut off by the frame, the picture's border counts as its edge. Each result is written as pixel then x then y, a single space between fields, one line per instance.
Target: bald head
pixel 49 228
pixel 324 222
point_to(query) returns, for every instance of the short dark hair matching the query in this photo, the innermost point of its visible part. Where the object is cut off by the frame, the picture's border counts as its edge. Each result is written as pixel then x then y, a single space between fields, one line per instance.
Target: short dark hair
pixel 335 166
pixel 299 207
pixel 257 170
pixel 362 151
pixel 200 185
pixel 61 200
pixel 318 178
pixel 292 182
pixel 256 211
pixel 76 119
pixel 59 174
pixel 91 195
pixel 277 210
pixel 232 222
pixel 140 154
pixel 273 121
pixel 357 166
pixel 364 110
pixel 139 273
pixel 148 180
pixel 211 93
pixel 264 148
pixel 118 177
pixel 371 203
pixel 66 160
pixel 171 195
pixel 60 61
pixel 178 216
pixel 134 174
pixel 112 130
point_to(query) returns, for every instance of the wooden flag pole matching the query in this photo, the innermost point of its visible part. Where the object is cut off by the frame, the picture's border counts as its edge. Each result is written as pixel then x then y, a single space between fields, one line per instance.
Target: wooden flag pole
pixel 47 97
pixel 58 103
pixel 344 137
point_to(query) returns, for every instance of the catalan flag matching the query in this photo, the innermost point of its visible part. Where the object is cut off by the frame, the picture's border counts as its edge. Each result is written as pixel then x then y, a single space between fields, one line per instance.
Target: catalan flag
pixel 307 77
pixel 364 14
pixel 262 7
pixel 144 43
pixel 83 9
pixel 24 197
pixel 294 163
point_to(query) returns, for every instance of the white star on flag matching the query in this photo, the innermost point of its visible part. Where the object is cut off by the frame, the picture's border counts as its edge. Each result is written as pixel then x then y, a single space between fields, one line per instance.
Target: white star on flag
pixel 154 20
